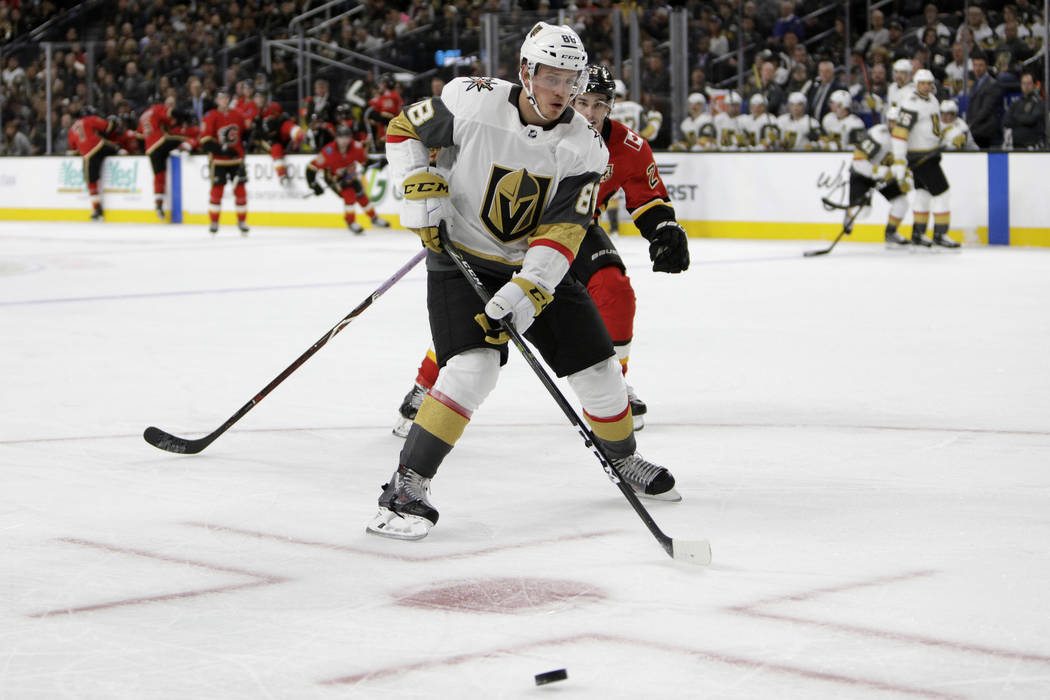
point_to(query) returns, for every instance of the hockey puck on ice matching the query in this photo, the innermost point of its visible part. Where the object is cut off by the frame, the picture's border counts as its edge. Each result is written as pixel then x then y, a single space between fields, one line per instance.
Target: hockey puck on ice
pixel 551 676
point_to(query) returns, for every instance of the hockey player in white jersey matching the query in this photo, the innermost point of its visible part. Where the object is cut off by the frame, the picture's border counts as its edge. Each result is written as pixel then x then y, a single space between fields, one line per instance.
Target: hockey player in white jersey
pixel 759 127
pixel 901 85
pixel 637 118
pixel 916 141
pixel 798 130
pixel 842 129
pixel 516 179
pixel 955 132
pixel 727 125
pixel 698 128
pixel 871 170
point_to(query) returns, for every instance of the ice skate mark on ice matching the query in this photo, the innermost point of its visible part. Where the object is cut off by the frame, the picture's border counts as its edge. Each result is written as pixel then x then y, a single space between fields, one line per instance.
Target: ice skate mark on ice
pixel 751 610
pixel 502 595
pixel 349 549
pixel 642 645
pixel 258 580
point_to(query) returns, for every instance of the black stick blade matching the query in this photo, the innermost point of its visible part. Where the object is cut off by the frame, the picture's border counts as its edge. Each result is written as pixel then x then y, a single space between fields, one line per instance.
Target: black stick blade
pixel 170 443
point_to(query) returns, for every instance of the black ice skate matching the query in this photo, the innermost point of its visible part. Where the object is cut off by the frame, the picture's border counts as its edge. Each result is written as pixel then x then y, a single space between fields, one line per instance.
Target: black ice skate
pixel 647 479
pixel 409 408
pixel 380 223
pixel 213 227
pixel 638 408
pixel 895 241
pixel 918 239
pixel 942 240
pixel 355 228
pixel 96 215
pixel 242 226
pixel 405 511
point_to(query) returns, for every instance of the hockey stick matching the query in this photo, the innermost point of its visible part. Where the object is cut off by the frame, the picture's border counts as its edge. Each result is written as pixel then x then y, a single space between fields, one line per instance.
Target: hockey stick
pixel 847 227
pixel 166 441
pixel 692 551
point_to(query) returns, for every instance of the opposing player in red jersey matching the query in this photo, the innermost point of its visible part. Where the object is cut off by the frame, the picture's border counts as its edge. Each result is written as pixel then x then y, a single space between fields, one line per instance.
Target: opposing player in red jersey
pixel 386 105
pixel 597 264
pixel 277 133
pixel 155 126
pixel 222 136
pixel 339 162
pixel 243 100
pixel 88 137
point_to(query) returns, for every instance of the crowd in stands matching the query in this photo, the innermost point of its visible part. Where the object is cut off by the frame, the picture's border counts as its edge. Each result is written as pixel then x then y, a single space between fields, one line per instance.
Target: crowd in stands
pixel 131 54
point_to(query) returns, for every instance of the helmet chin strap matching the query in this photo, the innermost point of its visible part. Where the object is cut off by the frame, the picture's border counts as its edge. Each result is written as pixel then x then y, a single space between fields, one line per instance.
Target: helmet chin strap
pixel 529 95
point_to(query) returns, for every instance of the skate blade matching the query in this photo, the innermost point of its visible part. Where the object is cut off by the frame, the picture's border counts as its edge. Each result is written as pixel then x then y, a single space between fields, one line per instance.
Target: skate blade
pixel 669 496
pixel 387 523
pixel 402 427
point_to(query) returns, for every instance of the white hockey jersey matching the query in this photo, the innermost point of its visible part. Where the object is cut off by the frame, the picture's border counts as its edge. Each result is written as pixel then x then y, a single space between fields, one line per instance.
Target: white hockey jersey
pixel 957 137
pixel 762 132
pixel 728 133
pixel 874 154
pixel 842 134
pixel 700 132
pixel 895 94
pixel 919 124
pixel 511 184
pixel 802 134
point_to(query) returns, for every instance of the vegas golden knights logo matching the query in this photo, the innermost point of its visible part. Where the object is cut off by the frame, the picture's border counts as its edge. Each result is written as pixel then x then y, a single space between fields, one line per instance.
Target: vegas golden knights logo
pixel 514 202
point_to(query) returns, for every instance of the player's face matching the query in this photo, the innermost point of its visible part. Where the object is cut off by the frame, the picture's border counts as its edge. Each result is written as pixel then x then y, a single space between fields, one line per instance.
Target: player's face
pixel 343 141
pixel 222 101
pixel 924 88
pixel 798 109
pixel 593 108
pixel 901 77
pixel 552 88
pixel 947 117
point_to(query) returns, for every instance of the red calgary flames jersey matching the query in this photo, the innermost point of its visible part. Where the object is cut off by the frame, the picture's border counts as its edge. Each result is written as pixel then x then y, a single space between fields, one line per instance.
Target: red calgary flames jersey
pixel 154 125
pixel 88 133
pixel 227 129
pixel 631 167
pixel 337 164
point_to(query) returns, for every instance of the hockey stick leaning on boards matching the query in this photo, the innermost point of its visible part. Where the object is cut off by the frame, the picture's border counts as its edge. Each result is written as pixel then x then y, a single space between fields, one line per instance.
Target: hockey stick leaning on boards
pixel 691 551
pixel 166 441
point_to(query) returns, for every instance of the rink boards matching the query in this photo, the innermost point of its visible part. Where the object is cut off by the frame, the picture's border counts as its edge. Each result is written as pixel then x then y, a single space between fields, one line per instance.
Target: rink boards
pixel 995 198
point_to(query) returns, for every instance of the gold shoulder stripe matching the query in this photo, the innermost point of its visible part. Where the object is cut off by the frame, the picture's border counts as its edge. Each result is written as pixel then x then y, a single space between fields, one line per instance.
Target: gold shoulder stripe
pixel 400 126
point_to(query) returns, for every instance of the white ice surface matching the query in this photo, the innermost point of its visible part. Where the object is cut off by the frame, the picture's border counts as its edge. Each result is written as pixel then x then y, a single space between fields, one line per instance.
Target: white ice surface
pixel 863 437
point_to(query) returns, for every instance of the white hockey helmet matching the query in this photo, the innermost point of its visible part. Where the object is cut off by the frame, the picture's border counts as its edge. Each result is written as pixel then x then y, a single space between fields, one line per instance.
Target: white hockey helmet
pixel 841 98
pixel 949 106
pixel 696 98
pixel 923 76
pixel 621 89
pixel 732 98
pixel 757 99
pixel 902 65
pixel 557 46
pixel 796 98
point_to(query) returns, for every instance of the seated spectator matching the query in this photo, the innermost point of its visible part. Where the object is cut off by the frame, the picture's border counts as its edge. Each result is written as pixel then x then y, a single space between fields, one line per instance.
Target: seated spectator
pixel 898 46
pixel 1011 50
pixel 878 35
pixel 983 112
pixel 932 22
pixel 981 34
pixel 955 73
pixel 1026 117
pixel 788 23
pixel 1010 15
pixel 15 142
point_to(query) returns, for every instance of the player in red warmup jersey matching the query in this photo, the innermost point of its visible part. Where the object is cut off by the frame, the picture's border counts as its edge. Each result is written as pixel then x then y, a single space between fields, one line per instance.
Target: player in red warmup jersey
pixel 156 126
pixel 88 137
pixel 386 105
pixel 222 136
pixel 277 133
pixel 598 264
pixel 339 162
